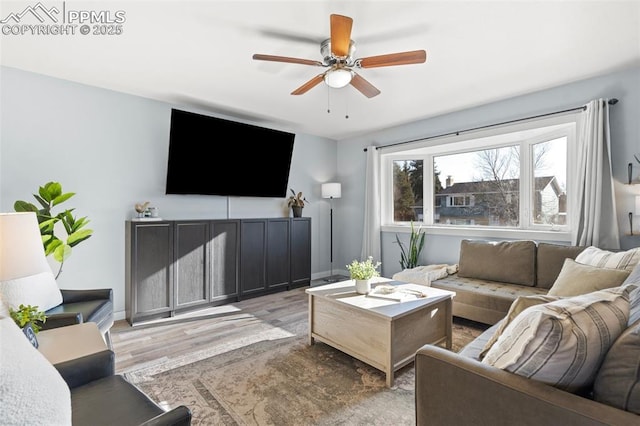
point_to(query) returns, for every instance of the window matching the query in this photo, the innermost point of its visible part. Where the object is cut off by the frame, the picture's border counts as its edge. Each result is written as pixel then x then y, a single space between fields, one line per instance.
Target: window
pixel 510 178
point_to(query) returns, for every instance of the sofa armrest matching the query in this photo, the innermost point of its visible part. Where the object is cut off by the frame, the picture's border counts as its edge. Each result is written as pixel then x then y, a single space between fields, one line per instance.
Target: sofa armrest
pixel 179 416
pixel 80 371
pixel 74 296
pixel 453 389
pixel 62 320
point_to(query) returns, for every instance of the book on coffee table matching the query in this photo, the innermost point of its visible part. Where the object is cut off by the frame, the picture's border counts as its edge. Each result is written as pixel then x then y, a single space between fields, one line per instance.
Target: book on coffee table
pixel 396 293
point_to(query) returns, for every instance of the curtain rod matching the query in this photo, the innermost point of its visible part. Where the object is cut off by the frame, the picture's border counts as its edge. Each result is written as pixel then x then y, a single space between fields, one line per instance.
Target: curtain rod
pixel 610 102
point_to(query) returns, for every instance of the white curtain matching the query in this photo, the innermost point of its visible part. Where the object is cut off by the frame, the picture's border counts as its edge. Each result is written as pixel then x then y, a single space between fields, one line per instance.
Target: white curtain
pixel 593 209
pixel 371 232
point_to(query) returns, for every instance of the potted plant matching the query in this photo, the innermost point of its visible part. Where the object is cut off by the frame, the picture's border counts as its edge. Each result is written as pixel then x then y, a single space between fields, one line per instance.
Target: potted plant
pixel 296 202
pixel 362 272
pixel 29 319
pixel 409 256
pixel 49 196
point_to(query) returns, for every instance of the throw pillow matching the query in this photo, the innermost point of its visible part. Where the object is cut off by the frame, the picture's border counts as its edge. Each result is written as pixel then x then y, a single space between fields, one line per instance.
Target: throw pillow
pixel 478 260
pixel 563 343
pixel 575 279
pixel 518 305
pixel 634 304
pixel 618 380
pixel 39 290
pixel 32 392
pixel 634 276
pixel 607 259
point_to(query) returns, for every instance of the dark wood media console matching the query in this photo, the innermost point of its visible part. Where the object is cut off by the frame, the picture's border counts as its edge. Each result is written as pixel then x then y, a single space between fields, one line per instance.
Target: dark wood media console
pixel 178 265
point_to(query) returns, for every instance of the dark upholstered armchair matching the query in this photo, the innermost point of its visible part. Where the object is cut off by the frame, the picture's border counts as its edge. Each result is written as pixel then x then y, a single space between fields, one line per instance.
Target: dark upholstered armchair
pixel 100 397
pixel 80 306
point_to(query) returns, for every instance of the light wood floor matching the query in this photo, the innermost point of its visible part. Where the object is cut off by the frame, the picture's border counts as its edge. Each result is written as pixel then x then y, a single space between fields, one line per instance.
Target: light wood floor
pixel 163 340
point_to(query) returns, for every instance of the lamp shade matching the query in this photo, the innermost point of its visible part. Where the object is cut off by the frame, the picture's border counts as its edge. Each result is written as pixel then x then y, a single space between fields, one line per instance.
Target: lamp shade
pixel 21 249
pixel 331 190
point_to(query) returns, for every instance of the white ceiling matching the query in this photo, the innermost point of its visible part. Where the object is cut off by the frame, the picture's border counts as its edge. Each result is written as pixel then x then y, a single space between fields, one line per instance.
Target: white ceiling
pixel 198 55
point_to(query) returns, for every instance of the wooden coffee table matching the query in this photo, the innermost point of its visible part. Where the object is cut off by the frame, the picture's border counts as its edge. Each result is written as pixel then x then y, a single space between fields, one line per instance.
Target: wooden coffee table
pixel 382 333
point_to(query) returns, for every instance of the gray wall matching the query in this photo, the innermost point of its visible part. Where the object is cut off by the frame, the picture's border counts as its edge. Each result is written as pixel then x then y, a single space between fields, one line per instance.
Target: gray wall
pixel 625 134
pixel 111 150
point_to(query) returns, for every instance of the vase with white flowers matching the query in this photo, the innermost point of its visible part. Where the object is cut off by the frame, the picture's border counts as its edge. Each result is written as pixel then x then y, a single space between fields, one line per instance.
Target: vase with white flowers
pixel 362 272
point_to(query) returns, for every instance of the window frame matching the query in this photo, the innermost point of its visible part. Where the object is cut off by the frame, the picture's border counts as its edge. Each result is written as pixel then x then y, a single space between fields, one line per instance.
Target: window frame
pixel 526 134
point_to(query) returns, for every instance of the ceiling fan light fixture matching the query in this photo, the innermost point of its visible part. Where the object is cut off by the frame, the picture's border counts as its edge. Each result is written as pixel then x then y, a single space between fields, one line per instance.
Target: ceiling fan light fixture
pixel 338 78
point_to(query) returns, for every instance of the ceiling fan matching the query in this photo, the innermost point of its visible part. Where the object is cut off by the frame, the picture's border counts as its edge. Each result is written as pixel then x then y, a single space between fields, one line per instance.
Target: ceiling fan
pixel 337 53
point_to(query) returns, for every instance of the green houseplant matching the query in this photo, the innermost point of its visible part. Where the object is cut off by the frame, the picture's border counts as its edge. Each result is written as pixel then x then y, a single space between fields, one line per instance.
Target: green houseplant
pixel 362 272
pixel 49 196
pixel 296 201
pixel 409 256
pixel 28 315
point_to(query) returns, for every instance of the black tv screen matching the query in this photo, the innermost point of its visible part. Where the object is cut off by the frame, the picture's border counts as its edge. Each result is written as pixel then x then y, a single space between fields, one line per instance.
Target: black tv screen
pixel 213 156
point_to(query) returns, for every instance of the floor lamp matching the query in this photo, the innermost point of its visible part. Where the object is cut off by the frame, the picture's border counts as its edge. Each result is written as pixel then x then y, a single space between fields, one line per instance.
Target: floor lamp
pixel 331 190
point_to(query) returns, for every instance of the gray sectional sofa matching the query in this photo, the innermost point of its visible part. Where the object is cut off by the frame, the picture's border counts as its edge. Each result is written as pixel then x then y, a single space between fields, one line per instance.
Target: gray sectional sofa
pixel 598 313
pixel 492 275
pixel 493 396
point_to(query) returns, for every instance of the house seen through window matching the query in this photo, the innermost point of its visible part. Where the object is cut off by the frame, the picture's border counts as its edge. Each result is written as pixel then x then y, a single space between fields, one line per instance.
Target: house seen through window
pixel 513 180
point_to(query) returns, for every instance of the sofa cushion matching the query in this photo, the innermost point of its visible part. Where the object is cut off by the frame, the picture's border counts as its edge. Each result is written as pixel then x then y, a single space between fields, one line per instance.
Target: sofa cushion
pixel 518 305
pixel 618 380
pixel 575 279
pixel 607 259
pixel 563 343
pixel 549 261
pixel 39 290
pixel 491 297
pixel 31 390
pixel 516 265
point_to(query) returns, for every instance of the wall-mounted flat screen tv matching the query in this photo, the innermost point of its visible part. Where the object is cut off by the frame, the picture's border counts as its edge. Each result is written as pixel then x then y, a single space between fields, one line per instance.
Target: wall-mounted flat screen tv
pixel 213 156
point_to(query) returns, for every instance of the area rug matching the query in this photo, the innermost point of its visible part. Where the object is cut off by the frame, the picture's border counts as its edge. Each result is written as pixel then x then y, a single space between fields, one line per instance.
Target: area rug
pixel 285 381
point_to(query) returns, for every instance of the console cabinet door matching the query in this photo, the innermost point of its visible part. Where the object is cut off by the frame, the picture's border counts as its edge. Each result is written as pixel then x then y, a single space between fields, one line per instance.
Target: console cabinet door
pixel 253 256
pixel 300 252
pixel 191 267
pixel 150 275
pixel 225 255
pixel 278 253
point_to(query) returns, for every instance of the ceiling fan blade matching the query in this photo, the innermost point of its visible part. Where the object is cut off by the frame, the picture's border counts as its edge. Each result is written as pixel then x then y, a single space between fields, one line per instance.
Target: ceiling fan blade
pixel 309 85
pixel 366 88
pixel 401 58
pixel 287 59
pixel 340 34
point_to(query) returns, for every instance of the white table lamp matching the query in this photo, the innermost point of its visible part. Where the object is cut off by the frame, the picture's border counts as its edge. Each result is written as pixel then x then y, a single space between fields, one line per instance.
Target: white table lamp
pixel 331 190
pixel 21 249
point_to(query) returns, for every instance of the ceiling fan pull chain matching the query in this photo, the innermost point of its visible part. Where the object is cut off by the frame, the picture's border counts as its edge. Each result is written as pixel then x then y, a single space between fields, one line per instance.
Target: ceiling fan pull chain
pixel 346 106
pixel 328 100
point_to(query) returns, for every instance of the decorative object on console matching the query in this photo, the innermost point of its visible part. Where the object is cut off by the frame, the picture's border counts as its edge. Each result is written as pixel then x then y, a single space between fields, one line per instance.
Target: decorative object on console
pixel 296 202
pixel 49 196
pixel 141 208
pixel 331 190
pixel 362 272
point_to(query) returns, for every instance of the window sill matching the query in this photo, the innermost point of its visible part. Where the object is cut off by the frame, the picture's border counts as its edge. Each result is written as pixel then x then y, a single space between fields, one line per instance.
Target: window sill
pixel 460 231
